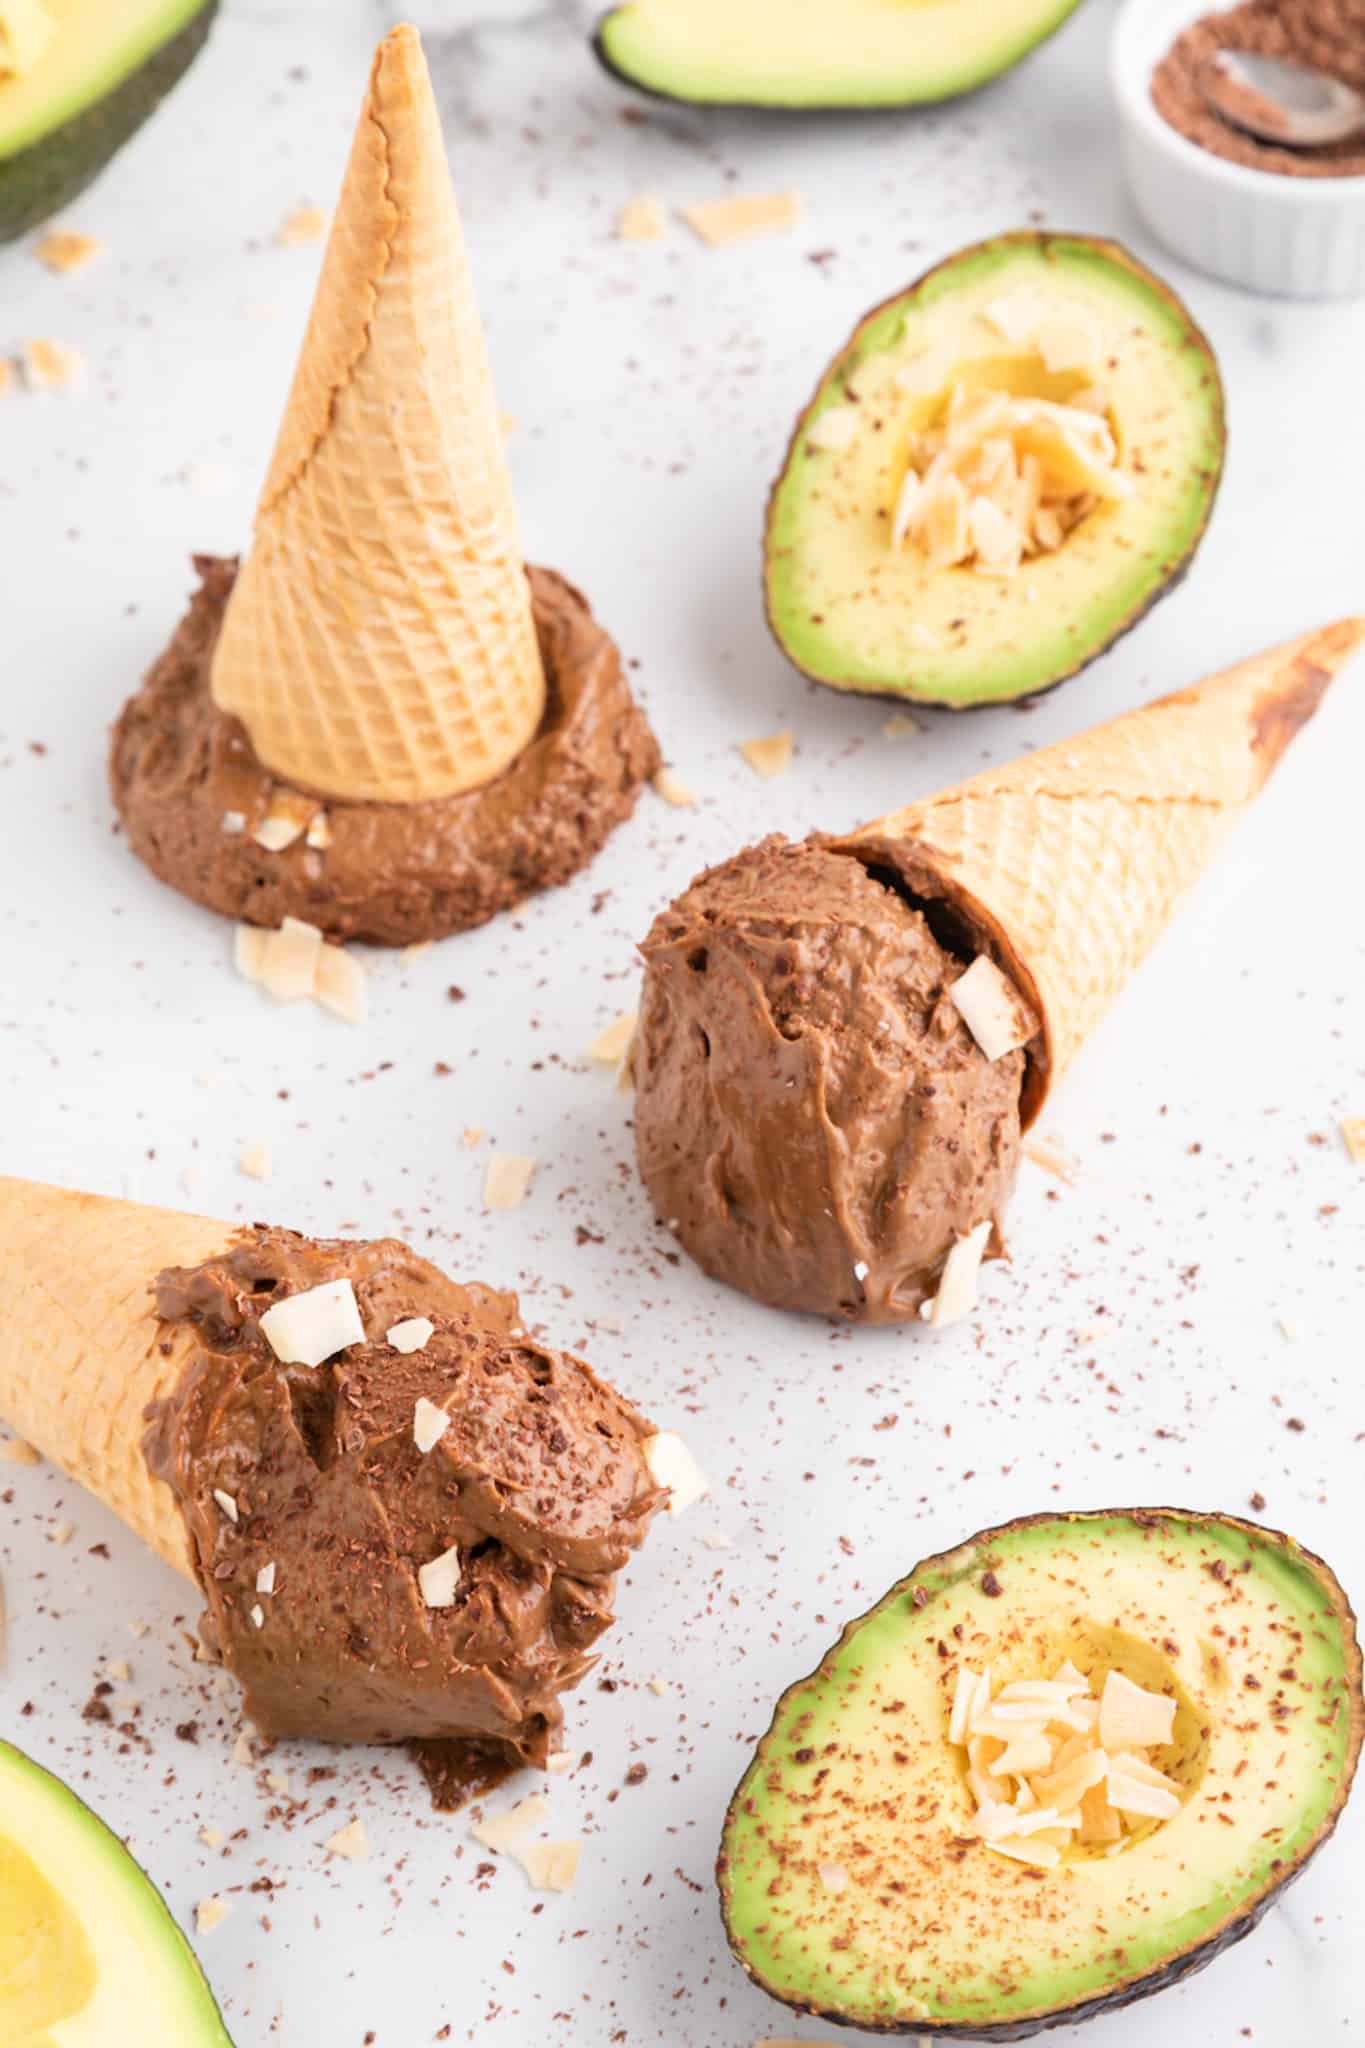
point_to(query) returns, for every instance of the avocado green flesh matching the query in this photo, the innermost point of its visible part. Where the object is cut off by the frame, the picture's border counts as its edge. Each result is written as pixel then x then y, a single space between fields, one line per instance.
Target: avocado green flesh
pixel 1251 1635
pixel 89 1955
pixel 107 67
pixel 821 53
pixel 856 614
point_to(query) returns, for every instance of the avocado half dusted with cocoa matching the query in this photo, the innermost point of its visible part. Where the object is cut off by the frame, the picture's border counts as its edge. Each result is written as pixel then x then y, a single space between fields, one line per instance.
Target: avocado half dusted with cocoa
pixel 75 83
pixel 1005 466
pixel 86 1935
pixel 1054 1770
pixel 824 53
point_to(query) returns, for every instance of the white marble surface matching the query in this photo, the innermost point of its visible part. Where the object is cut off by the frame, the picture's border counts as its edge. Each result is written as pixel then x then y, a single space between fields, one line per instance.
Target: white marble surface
pixel 654 387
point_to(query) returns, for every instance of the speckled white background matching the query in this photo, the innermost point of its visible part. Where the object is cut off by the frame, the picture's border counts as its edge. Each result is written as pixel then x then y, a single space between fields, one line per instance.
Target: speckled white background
pixel 1133 1352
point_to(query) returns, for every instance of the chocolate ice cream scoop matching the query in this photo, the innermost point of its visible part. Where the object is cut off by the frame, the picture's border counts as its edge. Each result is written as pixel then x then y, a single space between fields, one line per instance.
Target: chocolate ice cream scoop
pixel 317 1496
pixel 813 1117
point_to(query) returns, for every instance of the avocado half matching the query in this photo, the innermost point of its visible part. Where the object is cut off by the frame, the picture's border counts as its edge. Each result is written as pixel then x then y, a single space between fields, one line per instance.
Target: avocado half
pixel 854 613
pixel 105 67
pixel 934 1933
pixel 819 53
pixel 89 1955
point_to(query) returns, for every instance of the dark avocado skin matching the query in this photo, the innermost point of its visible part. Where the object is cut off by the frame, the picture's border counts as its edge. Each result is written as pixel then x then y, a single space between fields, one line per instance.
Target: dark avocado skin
pixel 1044 242
pixel 38 181
pixel 1189 1961
pixel 676 99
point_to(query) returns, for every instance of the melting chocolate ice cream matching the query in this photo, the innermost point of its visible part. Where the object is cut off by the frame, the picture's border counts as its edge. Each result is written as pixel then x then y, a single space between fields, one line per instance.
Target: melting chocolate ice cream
pixel 312 1510
pixel 813 1118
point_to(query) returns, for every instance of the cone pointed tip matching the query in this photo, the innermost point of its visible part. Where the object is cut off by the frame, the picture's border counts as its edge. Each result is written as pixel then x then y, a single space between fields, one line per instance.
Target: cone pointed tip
pixel 399 72
pixel 1299 686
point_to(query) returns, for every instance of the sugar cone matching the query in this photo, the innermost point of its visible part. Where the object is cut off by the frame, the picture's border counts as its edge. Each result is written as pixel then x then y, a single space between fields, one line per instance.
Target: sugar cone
pixel 1069 863
pixel 81 1345
pixel 379 642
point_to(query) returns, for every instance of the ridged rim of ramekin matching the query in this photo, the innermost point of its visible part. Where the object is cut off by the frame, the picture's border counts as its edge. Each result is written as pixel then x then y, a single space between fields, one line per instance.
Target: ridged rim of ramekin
pixel 1142 32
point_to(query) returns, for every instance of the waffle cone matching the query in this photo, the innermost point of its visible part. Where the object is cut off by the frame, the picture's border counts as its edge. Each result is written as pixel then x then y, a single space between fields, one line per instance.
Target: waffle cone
pixel 379 643
pixel 81 1346
pixel 1068 864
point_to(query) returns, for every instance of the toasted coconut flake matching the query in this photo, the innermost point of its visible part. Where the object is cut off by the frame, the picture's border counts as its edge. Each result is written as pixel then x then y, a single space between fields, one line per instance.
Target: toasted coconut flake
pixel 212 1838
pixel 439 1579
pixel 671 1464
pixel 258 1616
pixel 505 1829
pixel 274 834
pixel 290 962
pixel 956 1297
pixel 558 1761
pixel 340 984
pixel 769 757
pixel 835 429
pixel 254 1161
pixel 62 1532
pixel 429 1424
pixel 319 833
pixel 642 219
pixel 288 816
pixel 210 1913
pixel 234 822
pixel 312 1326
pixel 414 1333
pixel 988 1004
pixel 1131 1718
pixel 1353 1135
pixel 672 789
pixel 1147 1801
pixel 304 224
pixel 249 944
pixel 65 251
pixel 609 1047
pixel 551 1866
pixel 507 1180
pixel 351 1842
pixel 742 216
pixel 226 1503
pixel 52 365
pixel 265 1578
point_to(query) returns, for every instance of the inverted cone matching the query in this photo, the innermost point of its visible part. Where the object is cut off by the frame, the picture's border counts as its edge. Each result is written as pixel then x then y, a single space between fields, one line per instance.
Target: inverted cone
pixel 379 643
pixel 1069 863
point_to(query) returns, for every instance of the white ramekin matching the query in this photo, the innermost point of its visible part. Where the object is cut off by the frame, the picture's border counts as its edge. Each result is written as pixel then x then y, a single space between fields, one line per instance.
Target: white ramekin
pixel 1300 238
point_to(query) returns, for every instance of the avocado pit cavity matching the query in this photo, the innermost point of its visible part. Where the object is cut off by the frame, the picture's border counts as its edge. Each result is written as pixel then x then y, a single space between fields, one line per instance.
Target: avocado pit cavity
pixel 1063 1766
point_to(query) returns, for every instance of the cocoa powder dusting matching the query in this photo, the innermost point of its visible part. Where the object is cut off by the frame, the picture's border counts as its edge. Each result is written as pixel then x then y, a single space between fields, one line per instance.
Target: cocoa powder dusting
pixel 1329 34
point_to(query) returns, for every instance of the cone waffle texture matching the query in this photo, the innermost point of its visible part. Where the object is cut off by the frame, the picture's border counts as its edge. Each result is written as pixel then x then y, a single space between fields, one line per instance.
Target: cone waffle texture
pixel 1070 862
pixel 80 1341
pixel 379 642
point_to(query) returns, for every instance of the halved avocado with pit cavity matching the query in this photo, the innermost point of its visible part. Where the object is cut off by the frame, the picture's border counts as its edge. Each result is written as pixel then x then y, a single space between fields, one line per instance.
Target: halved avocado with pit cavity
pixel 89 1955
pixel 855 1880
pixel 820 53
pixel 1082 341
pixel 78 78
